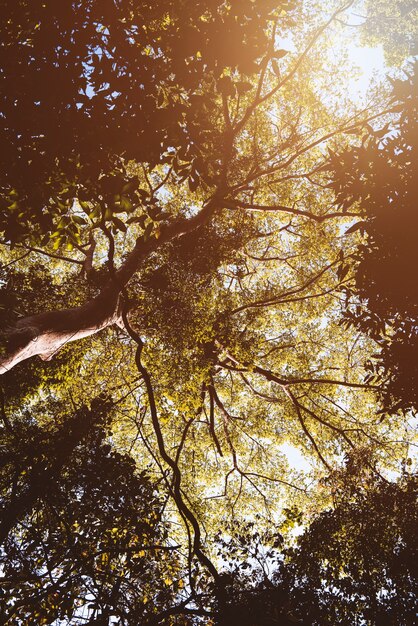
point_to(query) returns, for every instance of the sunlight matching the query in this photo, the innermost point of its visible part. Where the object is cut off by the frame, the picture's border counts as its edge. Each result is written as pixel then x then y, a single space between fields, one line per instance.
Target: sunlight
pixel 370 64
pixel 207 230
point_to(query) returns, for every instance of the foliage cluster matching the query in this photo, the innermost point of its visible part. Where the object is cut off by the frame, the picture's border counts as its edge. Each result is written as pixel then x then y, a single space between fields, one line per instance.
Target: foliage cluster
pixel 204 233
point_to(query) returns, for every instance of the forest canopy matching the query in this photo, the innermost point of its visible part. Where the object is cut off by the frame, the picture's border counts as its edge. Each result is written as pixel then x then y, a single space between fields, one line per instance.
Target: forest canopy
pixel 209 316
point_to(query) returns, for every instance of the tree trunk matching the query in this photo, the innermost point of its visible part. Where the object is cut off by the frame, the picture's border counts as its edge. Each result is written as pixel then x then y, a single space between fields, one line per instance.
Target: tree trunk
pixel 45 333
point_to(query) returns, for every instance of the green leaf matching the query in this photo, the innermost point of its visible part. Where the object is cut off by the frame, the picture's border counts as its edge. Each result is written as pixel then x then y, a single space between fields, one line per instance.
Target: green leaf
pixel 137 219
pixel 126 204
pixel 131 185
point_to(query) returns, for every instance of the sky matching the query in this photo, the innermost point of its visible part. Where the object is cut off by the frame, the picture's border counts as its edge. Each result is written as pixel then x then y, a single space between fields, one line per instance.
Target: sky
pixel 370 62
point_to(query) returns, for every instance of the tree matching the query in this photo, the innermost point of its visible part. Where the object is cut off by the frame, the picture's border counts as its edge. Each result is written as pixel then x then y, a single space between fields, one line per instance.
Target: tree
pixel 354 564
pixel 174 186
pixel 206 154
pixel 378 175
pixel 394 26
pixel 82 535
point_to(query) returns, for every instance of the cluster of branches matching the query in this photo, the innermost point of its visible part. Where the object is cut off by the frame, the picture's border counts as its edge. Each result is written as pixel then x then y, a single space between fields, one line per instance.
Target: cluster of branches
pixel 152 107
pixel 83 542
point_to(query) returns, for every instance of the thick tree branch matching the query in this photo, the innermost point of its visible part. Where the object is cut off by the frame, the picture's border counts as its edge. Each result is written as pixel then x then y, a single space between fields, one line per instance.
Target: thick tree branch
pixel 279 208
pixel 45 333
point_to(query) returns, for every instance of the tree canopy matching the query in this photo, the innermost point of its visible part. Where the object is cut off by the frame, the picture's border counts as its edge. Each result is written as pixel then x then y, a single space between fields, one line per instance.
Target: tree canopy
pixel 380 176
pixel 205 238
pixel 338 573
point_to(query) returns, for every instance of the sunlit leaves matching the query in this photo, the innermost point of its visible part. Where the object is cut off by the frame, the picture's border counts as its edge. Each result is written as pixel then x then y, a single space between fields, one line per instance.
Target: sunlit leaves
pixel 185 162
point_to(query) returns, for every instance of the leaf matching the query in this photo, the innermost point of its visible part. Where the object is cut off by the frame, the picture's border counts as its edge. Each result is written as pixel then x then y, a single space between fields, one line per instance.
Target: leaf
pixel 193 183
pixel 132 185
pixel 143 194
pixel 126 204
pixel 357 226
pixel 154 212
pixel 343 271
pixel 137 219
pixel 279 54
pixel 119 224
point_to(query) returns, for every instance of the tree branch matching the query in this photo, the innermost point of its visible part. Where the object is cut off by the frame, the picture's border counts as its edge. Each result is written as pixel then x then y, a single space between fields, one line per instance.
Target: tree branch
pixel 177 494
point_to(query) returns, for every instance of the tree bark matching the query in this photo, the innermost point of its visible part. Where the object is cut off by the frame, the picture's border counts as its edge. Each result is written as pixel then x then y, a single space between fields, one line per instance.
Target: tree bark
pixel 44 334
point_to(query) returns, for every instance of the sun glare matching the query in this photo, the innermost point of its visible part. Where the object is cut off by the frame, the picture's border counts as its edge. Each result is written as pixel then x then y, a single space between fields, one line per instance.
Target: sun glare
pixel 370 64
